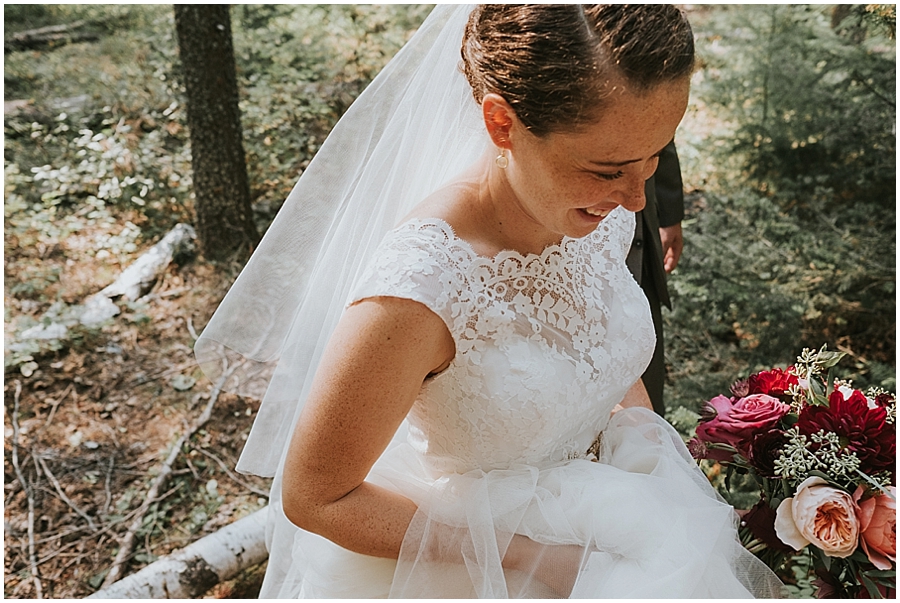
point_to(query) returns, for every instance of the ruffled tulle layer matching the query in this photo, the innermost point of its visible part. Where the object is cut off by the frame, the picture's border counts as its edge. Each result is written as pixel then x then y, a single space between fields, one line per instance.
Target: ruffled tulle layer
pixel 642 522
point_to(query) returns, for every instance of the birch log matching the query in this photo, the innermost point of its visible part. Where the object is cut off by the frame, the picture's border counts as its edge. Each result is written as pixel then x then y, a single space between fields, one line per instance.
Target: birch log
pixel 195 569
pixel 138 277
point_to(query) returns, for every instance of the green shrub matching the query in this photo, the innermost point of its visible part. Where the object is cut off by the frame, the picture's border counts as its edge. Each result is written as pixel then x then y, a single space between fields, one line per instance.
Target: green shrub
pixel 792 242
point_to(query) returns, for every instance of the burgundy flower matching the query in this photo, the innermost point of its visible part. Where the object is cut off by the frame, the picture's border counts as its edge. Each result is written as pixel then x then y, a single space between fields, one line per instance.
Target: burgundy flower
pixel 827 586
pixel 773 383
pixel 760 520
pixel 699 450
pixel 862 428
pixel 765 448
pixel 883 400
pixel 886 592
pixel 740 388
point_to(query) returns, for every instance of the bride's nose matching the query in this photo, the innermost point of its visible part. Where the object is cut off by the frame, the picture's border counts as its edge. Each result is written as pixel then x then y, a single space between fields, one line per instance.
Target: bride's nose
pixel 632 197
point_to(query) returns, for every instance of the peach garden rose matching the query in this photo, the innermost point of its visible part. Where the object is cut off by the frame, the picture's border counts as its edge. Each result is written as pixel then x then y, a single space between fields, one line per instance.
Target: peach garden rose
pixel 878 527
pixel 821 515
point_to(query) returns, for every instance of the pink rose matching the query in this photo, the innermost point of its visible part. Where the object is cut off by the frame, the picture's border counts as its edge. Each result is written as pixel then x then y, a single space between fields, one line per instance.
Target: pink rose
pixel 821 515
pixel 878 527
pixel 735 422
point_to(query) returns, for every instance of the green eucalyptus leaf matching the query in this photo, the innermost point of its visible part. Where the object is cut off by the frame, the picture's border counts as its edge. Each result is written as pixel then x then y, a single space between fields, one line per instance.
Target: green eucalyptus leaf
pixel 827 360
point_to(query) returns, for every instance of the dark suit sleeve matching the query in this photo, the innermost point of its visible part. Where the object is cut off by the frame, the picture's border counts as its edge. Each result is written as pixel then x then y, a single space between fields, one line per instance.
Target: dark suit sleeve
pixel 669 188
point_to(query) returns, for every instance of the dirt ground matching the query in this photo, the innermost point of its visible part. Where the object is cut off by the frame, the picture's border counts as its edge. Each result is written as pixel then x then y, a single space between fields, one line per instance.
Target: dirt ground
pixel 87 431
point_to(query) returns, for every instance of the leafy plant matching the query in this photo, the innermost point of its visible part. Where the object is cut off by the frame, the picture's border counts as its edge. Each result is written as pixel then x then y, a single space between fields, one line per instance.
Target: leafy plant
pixel 792 241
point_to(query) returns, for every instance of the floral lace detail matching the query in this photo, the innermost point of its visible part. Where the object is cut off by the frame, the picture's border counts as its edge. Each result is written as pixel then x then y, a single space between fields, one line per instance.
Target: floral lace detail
pixel 546 345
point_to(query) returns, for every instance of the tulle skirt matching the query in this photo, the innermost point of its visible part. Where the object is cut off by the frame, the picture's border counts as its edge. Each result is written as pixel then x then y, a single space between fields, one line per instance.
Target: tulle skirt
pixel 642 522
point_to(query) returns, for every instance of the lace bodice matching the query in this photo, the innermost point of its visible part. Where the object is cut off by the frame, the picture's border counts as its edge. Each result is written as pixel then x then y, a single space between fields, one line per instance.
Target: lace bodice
pixel 546 345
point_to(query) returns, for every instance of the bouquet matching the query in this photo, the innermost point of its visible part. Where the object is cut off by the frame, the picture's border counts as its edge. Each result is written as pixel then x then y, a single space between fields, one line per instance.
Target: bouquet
pixel 823 456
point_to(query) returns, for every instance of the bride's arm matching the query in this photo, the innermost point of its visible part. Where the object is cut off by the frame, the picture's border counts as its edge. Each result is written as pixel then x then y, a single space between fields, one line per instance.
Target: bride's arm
pixel 371 371
pixel 369 376
pixel 636 396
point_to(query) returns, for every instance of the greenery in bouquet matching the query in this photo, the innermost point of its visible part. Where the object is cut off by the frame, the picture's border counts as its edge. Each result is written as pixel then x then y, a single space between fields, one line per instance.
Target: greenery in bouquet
pixel 823 456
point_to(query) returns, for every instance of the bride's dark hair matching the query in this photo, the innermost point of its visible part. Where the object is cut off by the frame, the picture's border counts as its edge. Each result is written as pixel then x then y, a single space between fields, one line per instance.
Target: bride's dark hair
pixel 552 62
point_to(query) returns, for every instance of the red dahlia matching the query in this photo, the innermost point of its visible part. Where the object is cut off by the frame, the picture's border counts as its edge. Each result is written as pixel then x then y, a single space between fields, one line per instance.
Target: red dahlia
pixel 773 383
pixel 862 430
pixel 884 400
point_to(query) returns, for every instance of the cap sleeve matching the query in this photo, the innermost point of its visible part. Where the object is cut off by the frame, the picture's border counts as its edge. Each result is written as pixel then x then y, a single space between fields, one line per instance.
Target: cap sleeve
pixel 421 262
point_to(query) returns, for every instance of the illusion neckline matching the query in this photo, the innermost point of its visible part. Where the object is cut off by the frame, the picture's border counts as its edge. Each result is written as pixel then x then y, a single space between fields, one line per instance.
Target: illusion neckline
pixel 502 255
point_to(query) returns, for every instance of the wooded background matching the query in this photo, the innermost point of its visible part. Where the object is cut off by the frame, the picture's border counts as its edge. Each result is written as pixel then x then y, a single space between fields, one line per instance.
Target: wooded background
pixel 788 156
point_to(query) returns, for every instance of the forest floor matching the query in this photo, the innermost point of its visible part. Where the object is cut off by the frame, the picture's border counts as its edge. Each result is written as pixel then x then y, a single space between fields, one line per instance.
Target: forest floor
pixel 96 419
pixel 97 169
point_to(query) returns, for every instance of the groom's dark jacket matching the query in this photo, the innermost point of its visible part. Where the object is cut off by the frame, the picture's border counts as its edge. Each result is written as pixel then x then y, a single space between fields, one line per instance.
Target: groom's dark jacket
pixel 665 207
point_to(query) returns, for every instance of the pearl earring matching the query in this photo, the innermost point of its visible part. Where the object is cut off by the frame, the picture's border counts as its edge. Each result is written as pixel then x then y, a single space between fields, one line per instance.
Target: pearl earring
pixel 501 160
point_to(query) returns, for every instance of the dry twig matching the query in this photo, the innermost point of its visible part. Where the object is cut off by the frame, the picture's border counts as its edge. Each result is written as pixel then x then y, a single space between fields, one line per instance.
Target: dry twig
pixel 230 474
pixel 126 543
pixel 190 328
pixel 165 373
pixel 56 404
pixel 62 495
pixel 32 560
pixel 112 461
pixel 102 532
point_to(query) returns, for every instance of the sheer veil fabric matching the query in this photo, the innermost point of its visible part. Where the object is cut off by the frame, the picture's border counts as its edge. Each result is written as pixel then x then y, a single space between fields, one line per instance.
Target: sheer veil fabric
pixel 642 522
pixel 412 129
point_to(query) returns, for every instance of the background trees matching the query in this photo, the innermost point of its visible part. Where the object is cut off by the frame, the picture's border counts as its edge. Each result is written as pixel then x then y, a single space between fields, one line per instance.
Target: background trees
pixel 791 233
pixel 221 189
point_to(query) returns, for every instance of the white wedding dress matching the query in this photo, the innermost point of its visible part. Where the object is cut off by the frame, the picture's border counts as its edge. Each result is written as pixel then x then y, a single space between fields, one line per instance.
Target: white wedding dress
pixel 505 441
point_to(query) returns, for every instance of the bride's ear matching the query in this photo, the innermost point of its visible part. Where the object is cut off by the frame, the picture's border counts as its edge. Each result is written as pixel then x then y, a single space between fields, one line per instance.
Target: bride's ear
pixel 498 119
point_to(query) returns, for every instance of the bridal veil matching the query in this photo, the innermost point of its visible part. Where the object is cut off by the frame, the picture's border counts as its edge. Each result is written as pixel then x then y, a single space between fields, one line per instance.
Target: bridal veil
pixel 412 129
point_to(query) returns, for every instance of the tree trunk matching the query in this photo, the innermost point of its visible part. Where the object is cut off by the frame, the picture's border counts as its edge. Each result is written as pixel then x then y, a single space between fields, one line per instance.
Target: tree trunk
pixel 222 192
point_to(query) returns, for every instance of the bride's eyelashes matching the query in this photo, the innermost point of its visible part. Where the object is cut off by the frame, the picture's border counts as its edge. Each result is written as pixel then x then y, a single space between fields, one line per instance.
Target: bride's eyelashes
pixel 615 176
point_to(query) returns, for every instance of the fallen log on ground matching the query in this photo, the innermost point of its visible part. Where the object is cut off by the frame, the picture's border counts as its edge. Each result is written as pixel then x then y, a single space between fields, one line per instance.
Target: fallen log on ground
pixel 195 569
pixel 138 278
pixel 52 35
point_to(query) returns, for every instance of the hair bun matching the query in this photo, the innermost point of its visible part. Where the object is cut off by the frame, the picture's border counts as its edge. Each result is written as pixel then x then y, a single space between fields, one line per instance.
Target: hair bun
pixel 551 62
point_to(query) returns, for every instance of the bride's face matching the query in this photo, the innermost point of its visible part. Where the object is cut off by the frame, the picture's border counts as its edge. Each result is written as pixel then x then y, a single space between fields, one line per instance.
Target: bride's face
pixel 568 182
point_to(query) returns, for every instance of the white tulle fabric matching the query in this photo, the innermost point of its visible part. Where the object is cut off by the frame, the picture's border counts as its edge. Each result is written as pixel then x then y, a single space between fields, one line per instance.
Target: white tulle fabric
pixel 498 443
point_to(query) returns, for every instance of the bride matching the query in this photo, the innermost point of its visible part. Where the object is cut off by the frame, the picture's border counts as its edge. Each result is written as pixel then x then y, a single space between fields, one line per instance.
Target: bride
pixel 455 408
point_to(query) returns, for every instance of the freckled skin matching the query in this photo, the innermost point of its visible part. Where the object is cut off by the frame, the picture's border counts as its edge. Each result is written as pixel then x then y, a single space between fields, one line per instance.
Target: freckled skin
pixel 384 348
pixel 535 201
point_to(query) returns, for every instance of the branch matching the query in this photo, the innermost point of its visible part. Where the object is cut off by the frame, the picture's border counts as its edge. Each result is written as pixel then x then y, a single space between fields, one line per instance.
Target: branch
pixel 230 473
pixel 62 495
pixel 126 543
pixel 878 95
pixel 192 571
pixel 32 560
pixel 46 36
pixel 53 35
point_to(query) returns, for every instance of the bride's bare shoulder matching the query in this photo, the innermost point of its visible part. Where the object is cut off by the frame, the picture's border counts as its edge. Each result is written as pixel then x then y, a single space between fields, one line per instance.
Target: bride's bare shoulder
pixel 452 203
pixel 460 203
